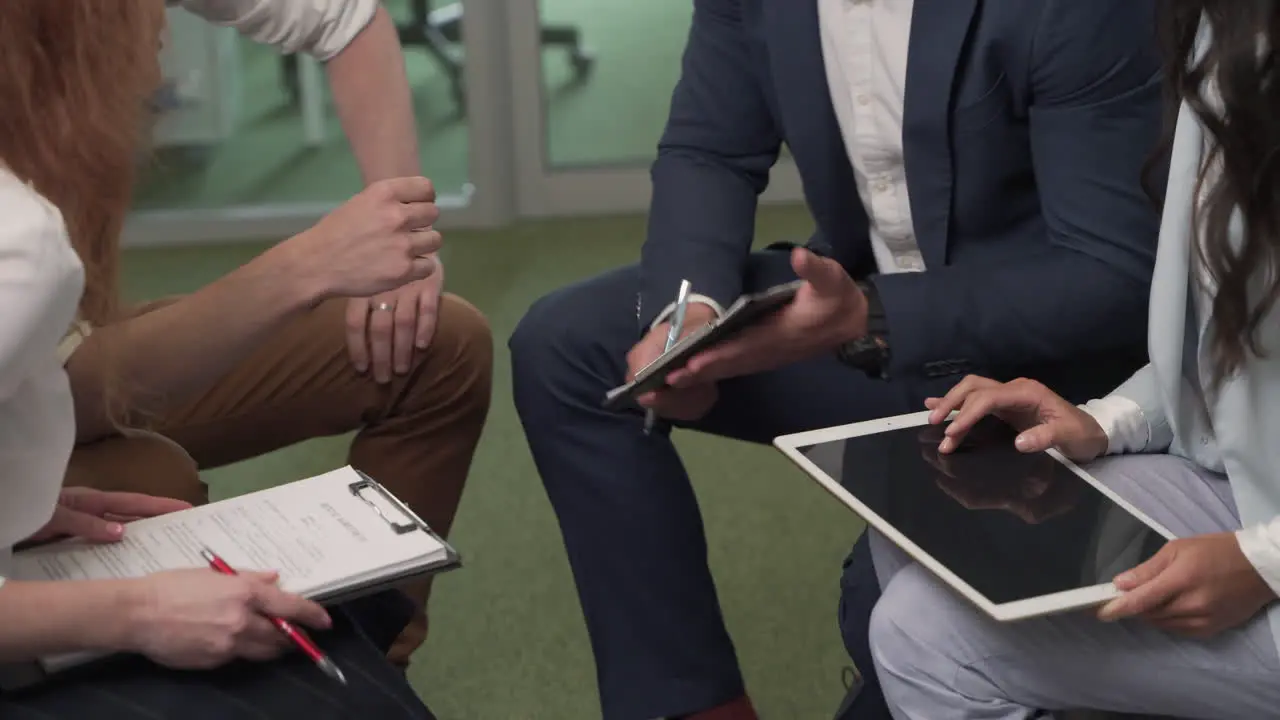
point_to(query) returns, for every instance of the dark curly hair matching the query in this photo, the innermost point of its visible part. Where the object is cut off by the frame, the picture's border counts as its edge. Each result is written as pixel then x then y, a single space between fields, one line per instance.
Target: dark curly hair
pixel 1241 121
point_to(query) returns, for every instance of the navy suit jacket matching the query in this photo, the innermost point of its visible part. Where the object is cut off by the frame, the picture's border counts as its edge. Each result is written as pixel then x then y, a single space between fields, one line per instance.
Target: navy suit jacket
pixel 1027 124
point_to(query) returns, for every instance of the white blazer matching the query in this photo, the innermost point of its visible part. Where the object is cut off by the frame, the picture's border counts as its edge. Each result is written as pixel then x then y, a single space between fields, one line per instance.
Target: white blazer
pixel 1171 409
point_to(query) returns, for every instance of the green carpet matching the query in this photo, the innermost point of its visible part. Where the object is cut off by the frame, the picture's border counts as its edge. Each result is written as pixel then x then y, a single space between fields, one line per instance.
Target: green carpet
pixel 612 117
pixel 507 637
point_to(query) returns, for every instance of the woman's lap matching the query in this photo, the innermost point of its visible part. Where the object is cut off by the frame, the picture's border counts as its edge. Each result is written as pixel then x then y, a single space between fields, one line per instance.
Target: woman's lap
pixel 940 657
pixel 134 689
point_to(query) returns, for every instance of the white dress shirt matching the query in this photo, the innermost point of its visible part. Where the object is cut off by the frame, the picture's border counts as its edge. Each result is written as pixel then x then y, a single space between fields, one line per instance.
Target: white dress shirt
pixel 41 280
pixel 322 28
pixel 864 51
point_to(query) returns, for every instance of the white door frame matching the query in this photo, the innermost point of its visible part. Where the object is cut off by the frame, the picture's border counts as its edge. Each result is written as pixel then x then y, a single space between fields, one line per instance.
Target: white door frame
pixel 541 189
pixel 487 201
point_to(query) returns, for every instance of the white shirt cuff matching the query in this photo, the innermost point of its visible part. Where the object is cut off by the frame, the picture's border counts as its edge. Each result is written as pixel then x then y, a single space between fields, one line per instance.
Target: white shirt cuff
pixel 1261 547
pixel 1123 422
pixel 72 340
pixel 693 298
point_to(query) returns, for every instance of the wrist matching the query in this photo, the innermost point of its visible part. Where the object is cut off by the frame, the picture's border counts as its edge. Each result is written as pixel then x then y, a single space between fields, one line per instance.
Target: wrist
pixel 699 310
pixel 698 314
pixel 293 274
pixel 107 617
pixel 866 315
pixel 1099 441
pixel 127 609
pixel 853 325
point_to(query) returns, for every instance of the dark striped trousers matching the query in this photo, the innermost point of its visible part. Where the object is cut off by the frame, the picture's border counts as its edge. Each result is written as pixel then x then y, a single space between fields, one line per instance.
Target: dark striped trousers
pixel 132 688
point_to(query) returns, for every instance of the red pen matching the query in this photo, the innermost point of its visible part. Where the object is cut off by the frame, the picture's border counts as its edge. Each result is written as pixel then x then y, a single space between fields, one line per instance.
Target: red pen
pixel 299 638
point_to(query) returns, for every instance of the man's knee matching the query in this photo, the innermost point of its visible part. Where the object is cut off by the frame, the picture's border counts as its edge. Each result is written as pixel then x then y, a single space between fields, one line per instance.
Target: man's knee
pixel 546 333
pixel 465 342
pixel 142 463
pixel 574 333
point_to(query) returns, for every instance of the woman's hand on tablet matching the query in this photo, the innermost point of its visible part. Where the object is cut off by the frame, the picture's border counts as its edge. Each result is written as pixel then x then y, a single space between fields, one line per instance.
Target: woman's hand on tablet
pixel 1037 494
pixel 1198 586
pixel 1042 417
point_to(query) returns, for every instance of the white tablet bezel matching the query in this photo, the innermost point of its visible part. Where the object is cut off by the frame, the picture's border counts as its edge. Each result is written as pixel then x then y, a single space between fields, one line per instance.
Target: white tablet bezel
pixel 1076 599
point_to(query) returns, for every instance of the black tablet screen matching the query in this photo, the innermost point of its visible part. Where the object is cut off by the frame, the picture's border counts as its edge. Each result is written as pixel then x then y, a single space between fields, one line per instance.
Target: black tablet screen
pixel 1010 525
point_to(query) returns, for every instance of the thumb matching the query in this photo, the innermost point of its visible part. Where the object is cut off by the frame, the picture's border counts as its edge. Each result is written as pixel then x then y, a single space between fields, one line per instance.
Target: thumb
pixel 266 577
pixel 1143 588
pixel 824 274
pixel 1146 572
pixel 83 525
pixel 1037 438
pixel 274 602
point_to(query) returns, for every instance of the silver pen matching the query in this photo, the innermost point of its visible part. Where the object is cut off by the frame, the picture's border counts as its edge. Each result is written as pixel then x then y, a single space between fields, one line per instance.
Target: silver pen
pixel 673 336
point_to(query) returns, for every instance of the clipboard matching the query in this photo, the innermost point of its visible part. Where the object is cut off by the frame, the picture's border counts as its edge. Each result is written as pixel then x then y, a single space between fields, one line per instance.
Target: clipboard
pixel 412 523
pixel 745 311
pixel 394 514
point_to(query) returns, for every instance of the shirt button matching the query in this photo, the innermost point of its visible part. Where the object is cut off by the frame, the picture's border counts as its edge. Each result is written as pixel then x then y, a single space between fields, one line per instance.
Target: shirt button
pixel 882 186
pixel 864 99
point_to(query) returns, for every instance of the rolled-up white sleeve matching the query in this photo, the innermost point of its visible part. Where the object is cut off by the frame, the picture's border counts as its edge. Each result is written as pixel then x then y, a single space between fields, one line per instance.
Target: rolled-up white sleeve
pixel 1261 547
pixel 1123 421
pixel 321 28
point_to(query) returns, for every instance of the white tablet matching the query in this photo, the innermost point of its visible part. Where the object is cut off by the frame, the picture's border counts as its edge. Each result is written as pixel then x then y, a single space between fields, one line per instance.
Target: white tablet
pixel 1019 535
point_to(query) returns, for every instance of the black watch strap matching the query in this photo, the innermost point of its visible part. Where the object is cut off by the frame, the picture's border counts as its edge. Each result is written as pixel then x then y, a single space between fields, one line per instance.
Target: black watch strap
pixel 869 353
pixel 877 321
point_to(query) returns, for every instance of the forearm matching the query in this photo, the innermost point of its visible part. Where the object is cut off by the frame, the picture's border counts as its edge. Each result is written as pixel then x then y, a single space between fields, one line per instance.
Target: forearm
pixel 47 618
pixel 371 93
pixel 700 229
pixel 1057 307
pixel 713 162
pixel 167 355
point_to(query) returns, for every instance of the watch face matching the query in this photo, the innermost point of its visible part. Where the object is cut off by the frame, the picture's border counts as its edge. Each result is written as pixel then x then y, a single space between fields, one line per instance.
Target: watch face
pixel 867 345
pixel 867 354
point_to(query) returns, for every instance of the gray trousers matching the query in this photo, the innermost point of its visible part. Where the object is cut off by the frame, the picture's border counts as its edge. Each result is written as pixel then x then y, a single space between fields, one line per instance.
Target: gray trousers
pixel 940 657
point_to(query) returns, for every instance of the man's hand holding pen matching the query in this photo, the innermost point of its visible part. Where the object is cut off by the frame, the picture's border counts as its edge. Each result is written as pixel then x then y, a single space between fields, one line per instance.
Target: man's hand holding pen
pixel 687 403
pixel 828 311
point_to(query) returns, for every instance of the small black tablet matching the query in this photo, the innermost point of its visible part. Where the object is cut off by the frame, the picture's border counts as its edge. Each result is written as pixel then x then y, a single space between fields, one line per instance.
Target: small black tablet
pixel 746 310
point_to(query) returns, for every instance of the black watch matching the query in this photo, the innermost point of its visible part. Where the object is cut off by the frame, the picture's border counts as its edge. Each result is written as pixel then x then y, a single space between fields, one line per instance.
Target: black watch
pixel 869 353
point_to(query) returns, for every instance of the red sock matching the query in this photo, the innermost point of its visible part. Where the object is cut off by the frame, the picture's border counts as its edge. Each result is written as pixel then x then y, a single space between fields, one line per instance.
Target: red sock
pixel 736 709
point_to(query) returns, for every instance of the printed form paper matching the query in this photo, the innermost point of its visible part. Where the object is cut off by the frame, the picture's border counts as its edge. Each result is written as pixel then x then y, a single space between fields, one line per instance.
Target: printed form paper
pixel 316 533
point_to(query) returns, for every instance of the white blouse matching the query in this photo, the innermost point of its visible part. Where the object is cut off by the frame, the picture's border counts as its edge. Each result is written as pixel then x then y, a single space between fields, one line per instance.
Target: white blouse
pixel 41 280
pixel 322 28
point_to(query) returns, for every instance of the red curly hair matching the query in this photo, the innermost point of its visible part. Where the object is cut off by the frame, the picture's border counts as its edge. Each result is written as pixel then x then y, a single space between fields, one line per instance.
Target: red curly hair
pixel 75 80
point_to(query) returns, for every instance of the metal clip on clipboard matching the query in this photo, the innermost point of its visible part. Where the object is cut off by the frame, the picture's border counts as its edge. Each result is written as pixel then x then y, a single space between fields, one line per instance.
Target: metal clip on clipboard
pixel 370 491
pixel 366 488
